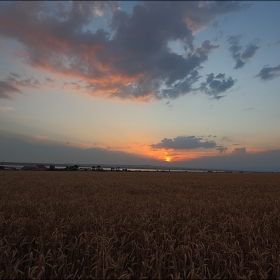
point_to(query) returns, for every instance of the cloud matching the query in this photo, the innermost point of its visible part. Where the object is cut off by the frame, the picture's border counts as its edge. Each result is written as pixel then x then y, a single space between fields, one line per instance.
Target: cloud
pixel 13 84
pixel 249 51
pixel 6 108
pixel 239 56
pixel 225 138
pixel 216 85
pixel 184 142
pixel 269 73
pixel 29 82
pixel 51 82
pixel 74 86
pixel 8 91
pixel 204 13
pixel 130 59
pixel 21 148
pixel 239 150
pixel 267 161
pixel 15 75
pixel 221 149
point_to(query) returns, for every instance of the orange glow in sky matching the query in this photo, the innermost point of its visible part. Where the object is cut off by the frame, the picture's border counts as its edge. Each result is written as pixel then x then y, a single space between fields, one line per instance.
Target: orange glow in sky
pixel 168 159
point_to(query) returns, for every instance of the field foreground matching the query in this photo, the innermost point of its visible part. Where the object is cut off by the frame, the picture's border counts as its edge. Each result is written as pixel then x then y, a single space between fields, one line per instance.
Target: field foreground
pixel 137 225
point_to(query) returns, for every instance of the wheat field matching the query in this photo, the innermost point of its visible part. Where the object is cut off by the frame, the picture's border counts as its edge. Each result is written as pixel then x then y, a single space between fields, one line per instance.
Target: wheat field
pixel 139 225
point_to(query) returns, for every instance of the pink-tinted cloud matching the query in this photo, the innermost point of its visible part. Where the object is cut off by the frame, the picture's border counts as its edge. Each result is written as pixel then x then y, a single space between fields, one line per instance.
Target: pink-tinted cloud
pixel 12 85
pixel 130 59
pixel 8 91
pixel 51 82
pixel 31 82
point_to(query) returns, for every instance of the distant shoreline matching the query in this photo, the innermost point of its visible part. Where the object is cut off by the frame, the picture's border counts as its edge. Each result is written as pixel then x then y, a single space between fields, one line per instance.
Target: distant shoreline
pixel 113 167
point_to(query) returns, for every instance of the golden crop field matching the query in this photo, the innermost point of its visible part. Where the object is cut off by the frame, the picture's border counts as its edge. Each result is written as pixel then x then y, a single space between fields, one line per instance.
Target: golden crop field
pixel 137 225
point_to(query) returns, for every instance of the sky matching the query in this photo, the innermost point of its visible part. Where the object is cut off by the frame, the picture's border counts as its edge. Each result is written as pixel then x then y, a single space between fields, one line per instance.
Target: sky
pixel 185 84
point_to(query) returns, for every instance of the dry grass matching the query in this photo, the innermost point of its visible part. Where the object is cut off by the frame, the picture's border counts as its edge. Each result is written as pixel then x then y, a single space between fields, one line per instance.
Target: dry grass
pixel 139 225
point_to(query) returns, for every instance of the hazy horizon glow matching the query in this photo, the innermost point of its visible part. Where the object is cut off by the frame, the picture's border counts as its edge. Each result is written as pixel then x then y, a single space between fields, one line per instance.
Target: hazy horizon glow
pixel 181 83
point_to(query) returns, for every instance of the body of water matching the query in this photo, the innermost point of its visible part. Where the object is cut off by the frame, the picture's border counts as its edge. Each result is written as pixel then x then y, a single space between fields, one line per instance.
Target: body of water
pixel 88 168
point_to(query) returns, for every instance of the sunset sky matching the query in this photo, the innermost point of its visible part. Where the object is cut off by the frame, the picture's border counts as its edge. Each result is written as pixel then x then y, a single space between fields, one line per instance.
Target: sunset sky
pixel 187 84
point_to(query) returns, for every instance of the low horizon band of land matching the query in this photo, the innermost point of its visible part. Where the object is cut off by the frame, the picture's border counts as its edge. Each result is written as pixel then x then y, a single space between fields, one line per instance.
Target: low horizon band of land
pixel 139 225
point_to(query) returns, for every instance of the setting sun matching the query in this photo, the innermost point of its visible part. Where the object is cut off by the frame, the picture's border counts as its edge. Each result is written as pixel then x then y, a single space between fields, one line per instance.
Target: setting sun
pixel 168 159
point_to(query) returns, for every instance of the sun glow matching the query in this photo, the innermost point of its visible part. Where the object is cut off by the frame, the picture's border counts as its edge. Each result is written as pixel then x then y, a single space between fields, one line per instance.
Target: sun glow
pixel 168 159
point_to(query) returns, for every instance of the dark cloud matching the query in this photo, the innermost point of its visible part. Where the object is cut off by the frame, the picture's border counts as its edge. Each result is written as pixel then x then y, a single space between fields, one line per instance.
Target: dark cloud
pixel 203 13
pixel 13 83
pixel 221 149
pixel 183 142
pixel 225 138
pixel 234 41
pixel 239 63
pixel 216 85
pixel 8 91
pixel 215 24
pixel 131 58
pixel 21 148
pixel 181 87
pixel 269 73
pixel 15 75
pixel 267 161
pixel 239 56
pixel 239 151
pixel 249 52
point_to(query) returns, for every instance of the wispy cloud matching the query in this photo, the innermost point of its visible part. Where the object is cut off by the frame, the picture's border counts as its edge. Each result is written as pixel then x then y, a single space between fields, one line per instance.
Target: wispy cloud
pixel 51 82
pixel 269 73
pixel 13 84
pixel 239 150
pixel 8 91
pixel 30 82
pixel 239 53
pixel 225 138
